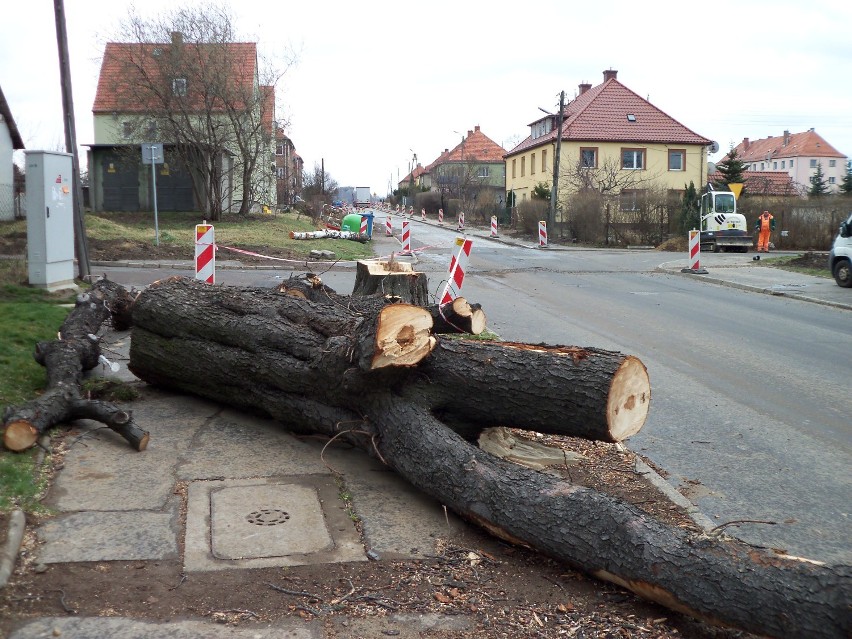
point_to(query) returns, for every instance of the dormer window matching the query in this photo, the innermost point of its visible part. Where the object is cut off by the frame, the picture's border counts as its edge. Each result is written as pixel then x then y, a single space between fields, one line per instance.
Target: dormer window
pixel 179 87
pixel 631 117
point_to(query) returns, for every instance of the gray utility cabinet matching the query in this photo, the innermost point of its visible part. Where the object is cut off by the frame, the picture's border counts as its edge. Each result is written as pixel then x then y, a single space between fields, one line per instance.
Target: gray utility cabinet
pixel 50 220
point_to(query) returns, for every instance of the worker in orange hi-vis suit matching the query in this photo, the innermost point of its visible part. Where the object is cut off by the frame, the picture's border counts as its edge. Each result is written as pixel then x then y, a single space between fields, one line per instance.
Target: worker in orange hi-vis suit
pixel 764 226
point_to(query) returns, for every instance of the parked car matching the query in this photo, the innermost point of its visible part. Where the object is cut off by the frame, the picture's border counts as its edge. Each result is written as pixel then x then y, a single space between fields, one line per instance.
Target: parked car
pixel 840 257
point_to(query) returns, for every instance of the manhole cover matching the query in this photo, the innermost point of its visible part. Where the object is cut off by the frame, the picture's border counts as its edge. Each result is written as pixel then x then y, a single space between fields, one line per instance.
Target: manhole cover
pixel 268 517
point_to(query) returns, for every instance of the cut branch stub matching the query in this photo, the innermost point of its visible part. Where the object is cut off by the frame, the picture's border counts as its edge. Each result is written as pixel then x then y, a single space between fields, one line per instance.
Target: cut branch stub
pixel 458 316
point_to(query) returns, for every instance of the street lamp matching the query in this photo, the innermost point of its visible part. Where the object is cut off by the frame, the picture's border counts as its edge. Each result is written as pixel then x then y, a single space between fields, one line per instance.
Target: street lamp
pixel 411 176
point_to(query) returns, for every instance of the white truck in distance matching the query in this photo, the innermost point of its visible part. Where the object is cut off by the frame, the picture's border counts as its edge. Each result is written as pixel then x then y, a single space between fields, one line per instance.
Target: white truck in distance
pixel 362 197
pixel 721 226
pixel 840 258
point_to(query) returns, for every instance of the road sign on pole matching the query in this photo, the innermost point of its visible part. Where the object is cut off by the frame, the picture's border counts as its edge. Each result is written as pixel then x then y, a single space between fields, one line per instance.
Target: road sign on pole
pixel 153 154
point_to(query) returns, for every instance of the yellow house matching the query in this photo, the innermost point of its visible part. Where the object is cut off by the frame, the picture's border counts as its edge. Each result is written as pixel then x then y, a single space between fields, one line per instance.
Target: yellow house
pixel 613 142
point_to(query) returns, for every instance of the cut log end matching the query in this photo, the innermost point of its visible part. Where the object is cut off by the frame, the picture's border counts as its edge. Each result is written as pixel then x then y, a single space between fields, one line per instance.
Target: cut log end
pixel 19 436
pixel 629 399
pixel 403 336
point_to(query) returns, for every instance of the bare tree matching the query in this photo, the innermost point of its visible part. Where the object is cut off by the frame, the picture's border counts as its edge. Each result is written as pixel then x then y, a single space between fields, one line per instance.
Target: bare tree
pixel 191 83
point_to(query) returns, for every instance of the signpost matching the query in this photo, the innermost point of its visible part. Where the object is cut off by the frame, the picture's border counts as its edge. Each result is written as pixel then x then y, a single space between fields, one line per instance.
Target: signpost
pixel 153 154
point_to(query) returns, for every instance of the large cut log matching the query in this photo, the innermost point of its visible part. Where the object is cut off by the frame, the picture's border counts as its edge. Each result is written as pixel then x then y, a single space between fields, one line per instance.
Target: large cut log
pixel 401 416
pixel 65 359
pixel 258 338
pixel 391 277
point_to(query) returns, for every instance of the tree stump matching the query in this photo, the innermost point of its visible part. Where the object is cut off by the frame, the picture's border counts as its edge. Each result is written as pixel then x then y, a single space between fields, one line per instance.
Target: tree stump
pixel 398 279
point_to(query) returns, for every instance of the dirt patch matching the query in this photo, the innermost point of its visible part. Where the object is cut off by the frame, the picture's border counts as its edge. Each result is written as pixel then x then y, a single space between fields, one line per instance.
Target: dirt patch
pixel 501 590
pixel 811 259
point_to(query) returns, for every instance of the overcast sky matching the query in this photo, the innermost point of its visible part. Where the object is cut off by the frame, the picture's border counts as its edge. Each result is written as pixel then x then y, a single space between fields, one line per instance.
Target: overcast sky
pixel 376 82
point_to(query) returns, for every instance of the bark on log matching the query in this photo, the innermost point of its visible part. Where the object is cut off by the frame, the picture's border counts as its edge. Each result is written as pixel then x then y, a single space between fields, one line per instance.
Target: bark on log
pixel 249 338
pixel 459 316
pixel 65 359
pixel 398 279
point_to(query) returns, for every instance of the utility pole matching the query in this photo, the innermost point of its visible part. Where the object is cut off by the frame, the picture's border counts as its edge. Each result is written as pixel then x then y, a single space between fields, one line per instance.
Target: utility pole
pixel 81 246
pixel 555 191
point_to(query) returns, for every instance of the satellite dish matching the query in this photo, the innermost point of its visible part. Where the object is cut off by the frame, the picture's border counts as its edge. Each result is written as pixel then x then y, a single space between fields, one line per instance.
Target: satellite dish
pixel 714 147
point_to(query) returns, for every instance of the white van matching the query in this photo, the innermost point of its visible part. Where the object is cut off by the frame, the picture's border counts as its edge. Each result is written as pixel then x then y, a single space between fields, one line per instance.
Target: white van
pixel 840 258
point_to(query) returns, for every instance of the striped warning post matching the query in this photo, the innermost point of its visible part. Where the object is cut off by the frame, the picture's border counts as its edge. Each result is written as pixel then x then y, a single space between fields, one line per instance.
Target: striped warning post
pixel 461 221
pixel 406 236
pixel 440 216
pixel 458 266
pixel 542 234
pixel 423 214
pixel 694 250
pixel 493 226
pixel 388 226
pixel 205 253
pixel 363 225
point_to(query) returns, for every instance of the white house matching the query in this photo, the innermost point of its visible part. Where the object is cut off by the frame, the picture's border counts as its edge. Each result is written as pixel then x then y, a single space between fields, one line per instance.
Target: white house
pixel 10 141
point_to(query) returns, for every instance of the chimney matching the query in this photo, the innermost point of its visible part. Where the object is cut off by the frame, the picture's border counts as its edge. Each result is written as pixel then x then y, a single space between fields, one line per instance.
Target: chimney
pixel 476 128
pixel 786 138
pixel 469 133
pixel 745 144
pixel 177 37
pixel 610 74
pixel 584 87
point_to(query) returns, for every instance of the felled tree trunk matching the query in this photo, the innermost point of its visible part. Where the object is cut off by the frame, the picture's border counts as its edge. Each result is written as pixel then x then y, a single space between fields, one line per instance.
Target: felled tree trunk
pixel 329 351
pixel 66 358
pixel 459 316
pixel 243 341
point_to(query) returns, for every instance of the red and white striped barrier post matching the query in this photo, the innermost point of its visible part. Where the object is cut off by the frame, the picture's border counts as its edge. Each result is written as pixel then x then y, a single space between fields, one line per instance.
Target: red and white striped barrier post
pixel 411 211
pixel 423 214
pixel 440 216
pixel 695 254
pixel 461 221
pixel 363 230
pixel 458 265
pixel 205 253
pixel 493 226
pixel 406 236
pixel 388 226
pixel 542 234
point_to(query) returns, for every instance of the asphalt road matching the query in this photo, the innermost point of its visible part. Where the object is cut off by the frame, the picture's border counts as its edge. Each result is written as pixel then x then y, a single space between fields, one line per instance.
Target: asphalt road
pixel 750 413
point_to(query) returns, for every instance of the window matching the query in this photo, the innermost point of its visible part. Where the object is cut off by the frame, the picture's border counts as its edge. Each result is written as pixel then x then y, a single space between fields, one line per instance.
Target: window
pixel 279 173
pixel 523 166
pixel 832 163
pixel 514 161
pixel 179 86
pixel 633 159
pixel 813 164
pixel 782 164
pixel 532 164
pixel 630 199
pixel 677 159
pixel 543 160
pixel 126 129
pixel 279 149
pixel 762 166
pixel 831 180
pixel 588 157
pixel 791 164
pixel 774 166
pixel 482 171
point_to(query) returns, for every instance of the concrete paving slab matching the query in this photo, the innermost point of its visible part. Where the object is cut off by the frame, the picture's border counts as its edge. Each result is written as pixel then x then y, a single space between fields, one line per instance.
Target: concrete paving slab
pixel 124 628
pixel 397 519
pixel 101 472
pixel 109 536
pixel 198 552
pixel 272 520
pixel 237 445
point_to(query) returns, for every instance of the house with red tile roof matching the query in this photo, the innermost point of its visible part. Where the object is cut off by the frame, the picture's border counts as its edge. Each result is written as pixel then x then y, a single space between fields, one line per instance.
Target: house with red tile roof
pixel 796 155
pixel 773 183
pixel 473 171
pixel 10 141
pixel 612 141
pixel 204 103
